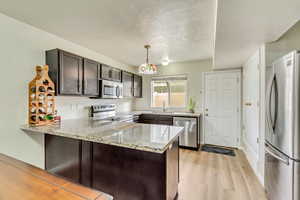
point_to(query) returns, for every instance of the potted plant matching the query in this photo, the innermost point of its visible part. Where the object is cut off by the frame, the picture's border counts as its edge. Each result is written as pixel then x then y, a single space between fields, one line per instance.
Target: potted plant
pixel 191 105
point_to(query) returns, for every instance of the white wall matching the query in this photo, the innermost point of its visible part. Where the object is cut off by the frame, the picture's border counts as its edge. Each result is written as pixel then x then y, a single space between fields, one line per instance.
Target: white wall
pixel 192 69
pixel 22 47
pixel 262 122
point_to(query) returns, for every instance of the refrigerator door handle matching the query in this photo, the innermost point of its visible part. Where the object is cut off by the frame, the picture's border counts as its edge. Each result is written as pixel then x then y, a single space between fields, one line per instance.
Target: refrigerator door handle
pixel 276 103
pixel 268 107
pixel 269 151
pixel 272 122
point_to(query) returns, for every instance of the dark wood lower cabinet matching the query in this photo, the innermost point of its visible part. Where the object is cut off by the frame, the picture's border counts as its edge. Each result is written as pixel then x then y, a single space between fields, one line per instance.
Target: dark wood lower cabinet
pixel 63 157
pixel 126 174
pixel 86 163
pixel 156 119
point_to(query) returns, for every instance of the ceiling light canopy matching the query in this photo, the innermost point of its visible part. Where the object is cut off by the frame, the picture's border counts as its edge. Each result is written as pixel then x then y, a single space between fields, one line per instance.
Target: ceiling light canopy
pixel 147 68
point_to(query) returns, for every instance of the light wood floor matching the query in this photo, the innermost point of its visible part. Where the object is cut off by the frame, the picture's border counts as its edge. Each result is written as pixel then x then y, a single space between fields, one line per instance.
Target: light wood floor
pixel 210 176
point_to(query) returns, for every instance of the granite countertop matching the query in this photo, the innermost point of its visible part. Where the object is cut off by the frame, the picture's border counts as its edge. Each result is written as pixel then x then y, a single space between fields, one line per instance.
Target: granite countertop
pixel 145 137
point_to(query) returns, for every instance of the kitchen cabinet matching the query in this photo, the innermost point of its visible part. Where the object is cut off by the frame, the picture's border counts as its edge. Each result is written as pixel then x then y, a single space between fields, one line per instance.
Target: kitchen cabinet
pixel 90 77
pixel 172 170
pixel 127 79
pixel 65 70
pixel 62 157
pixel 74 75
pixel 115 170
pixel 137 86
pixel 110 73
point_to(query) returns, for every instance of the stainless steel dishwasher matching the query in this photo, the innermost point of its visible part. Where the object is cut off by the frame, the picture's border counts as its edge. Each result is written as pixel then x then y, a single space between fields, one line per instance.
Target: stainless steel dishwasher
pixel 190 137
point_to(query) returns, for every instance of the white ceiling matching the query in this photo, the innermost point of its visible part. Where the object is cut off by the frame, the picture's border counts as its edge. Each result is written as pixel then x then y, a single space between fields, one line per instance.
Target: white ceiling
pixel 182 30
pixel 178 29
pixel 244 25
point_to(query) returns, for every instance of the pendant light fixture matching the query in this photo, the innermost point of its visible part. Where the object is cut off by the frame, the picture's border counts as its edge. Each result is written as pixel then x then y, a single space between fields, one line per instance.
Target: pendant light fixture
pixel 147 68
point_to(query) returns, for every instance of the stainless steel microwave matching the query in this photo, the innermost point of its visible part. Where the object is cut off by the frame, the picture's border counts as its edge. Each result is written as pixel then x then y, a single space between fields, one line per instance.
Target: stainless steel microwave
pixel 111 89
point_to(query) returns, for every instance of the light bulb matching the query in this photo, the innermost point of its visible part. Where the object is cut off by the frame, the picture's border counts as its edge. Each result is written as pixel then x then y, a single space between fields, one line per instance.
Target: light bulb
pixel 165 62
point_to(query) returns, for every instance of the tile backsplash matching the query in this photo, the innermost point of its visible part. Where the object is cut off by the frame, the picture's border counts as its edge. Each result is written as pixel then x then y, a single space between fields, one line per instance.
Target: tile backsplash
pixel 78 107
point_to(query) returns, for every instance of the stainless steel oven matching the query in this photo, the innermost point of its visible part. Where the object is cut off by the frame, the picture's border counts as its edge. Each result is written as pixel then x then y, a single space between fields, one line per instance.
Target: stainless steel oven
pixel 111 89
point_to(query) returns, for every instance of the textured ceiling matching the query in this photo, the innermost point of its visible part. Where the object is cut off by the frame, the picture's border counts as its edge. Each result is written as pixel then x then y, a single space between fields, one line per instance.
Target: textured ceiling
pixel 179 29
pixel 244 25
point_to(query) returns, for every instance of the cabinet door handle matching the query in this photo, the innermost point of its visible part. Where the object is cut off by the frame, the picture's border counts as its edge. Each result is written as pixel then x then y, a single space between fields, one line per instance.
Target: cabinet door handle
pixel 78 85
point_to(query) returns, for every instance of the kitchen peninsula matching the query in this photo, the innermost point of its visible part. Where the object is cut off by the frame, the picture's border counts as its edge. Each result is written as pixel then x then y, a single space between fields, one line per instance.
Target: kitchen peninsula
pixel 126 160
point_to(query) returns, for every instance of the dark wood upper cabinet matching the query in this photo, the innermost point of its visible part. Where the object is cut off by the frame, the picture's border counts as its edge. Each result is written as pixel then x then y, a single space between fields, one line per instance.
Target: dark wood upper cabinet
pixel 90 77
pixel 116 74
pixel 137 86
pixel 65 70
pixel 74 75
pixel 110 73
pixel 127 79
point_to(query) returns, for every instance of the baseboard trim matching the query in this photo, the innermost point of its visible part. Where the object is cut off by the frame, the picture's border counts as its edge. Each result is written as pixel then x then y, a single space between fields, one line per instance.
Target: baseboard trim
pixel 252 158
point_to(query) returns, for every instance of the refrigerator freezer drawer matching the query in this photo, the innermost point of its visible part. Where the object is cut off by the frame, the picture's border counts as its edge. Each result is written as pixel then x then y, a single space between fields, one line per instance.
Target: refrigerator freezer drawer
pixel 296 180
pixel 279 175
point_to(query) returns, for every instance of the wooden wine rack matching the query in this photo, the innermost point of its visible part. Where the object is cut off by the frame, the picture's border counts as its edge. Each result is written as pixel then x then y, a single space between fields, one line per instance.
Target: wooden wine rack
pixel 41 98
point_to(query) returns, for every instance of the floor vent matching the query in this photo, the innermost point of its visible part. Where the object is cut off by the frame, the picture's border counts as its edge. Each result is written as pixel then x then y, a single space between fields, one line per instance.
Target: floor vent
pixel 219 150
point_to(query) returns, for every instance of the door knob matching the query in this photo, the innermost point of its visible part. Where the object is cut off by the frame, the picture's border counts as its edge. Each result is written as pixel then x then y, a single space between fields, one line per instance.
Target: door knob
pixel 206 114
pixel 206 109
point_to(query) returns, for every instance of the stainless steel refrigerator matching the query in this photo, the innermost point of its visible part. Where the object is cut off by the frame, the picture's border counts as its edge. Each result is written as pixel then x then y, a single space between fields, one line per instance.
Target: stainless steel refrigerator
pixel 282 141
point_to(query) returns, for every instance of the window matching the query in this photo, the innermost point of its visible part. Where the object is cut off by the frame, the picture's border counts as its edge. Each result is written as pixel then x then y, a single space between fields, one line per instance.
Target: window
pixel 171 90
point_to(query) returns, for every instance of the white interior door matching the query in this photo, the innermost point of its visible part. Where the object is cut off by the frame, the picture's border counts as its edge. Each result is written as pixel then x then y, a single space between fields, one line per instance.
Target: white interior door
pixel 222 108
pixel 251 104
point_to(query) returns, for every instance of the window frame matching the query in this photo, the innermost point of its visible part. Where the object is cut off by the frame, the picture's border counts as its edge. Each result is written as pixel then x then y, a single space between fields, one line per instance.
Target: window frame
pixel 160 78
